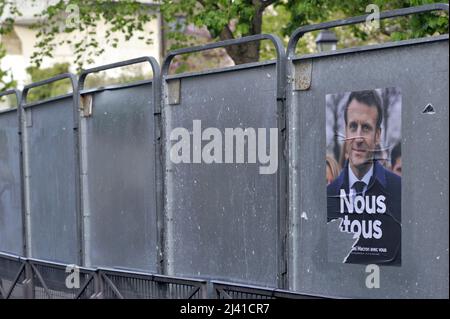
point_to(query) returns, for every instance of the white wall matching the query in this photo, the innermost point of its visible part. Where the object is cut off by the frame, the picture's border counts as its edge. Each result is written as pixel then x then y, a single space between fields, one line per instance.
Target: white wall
pixel 65 53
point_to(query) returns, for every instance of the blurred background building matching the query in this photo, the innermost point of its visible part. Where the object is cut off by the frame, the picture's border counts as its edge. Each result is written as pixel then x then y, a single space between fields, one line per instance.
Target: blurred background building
pixel 20 43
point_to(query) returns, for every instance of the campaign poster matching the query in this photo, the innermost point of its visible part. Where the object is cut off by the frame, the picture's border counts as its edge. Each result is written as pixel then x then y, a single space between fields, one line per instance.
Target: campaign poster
pixel 363 176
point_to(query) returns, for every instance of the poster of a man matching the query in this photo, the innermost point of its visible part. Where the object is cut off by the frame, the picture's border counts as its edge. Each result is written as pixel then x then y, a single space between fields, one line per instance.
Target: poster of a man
pixel 365 197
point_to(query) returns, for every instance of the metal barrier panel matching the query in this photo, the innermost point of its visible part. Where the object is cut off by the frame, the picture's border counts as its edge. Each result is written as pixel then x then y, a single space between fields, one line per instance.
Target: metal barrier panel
pixel 36 279
pixel 12 277
pixel 53 281
pixel 51 178
pixel 129 285
pixel 224 290
pixel 119 187
pixel 11 229
pixel 419 69
pixel 222 217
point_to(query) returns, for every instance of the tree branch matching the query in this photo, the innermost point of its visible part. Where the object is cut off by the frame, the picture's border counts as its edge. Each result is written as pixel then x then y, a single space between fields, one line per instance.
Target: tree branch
pixel 226 33
pixel 267 3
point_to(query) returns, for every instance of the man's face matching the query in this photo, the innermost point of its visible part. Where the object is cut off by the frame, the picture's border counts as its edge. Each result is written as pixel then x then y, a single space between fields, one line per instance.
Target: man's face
pixel 362 134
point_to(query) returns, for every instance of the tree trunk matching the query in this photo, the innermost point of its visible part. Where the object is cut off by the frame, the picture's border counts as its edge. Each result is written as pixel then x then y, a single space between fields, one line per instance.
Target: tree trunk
pixel 244 53
pixel 248 52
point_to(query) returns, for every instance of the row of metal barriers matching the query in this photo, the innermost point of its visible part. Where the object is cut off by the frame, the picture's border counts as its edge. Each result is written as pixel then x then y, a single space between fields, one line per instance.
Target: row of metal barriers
pixel 86 178
pixel 27 278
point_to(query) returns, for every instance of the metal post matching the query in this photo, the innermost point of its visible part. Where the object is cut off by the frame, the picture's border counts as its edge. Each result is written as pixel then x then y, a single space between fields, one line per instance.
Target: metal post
pixel 29 292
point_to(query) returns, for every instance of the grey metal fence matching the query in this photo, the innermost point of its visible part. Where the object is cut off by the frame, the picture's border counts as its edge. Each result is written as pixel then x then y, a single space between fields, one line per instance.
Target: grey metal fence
pixel 12 277
pixel 119 163
pixel 23 278
pixel 52 281
pixel 36 279
pixel 418 69
pixel 225 290
pixel 31 278
pixel 11 219
pixel 51 174
pixel 135 285
pixel 223 218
